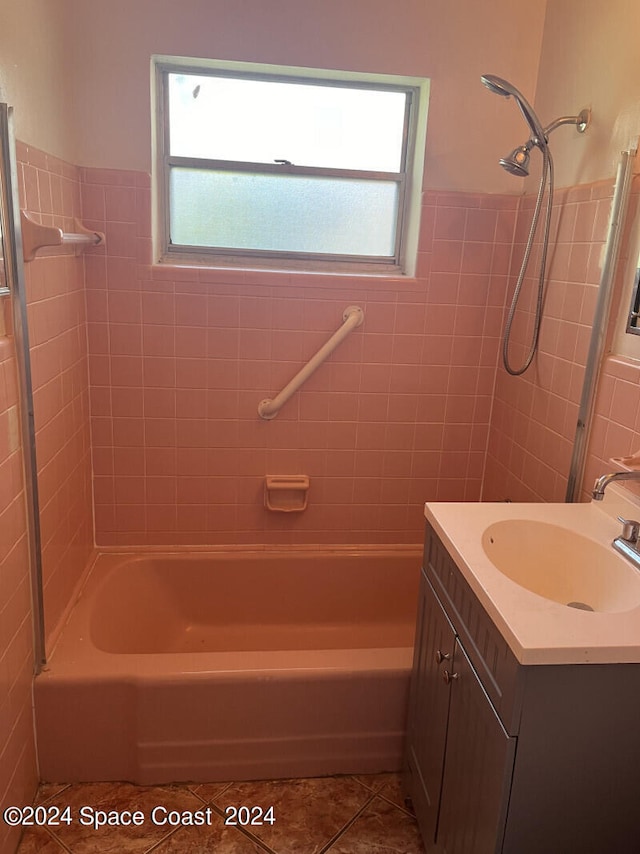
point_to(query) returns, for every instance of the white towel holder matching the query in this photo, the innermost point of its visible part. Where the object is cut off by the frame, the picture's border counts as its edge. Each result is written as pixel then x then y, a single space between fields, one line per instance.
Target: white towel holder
pixel 36 236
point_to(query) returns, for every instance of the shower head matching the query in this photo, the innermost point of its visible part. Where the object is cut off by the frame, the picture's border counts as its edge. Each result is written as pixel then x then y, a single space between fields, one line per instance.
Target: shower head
pixel 517 163
pixel 497 85
pixel 502 87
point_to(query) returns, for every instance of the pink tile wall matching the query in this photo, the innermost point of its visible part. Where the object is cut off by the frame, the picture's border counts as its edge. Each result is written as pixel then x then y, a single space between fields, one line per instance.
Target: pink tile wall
pixel 534 416
pixel 50 191
pixel 181 357
pixel 18 771
pixel 616 424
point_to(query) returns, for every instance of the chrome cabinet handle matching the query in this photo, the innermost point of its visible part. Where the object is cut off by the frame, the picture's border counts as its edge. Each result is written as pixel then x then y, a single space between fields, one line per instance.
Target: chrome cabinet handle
pixel 449 677
pixel 442 656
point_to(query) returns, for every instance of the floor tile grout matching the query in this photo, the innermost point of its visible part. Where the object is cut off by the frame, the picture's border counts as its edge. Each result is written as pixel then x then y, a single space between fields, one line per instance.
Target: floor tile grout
pixel 309 803
pixel 349 824
pixel 58 841
pixel 55 794
pixel 405 810
pixel 255 839
pixel 156 846
pixel 242 830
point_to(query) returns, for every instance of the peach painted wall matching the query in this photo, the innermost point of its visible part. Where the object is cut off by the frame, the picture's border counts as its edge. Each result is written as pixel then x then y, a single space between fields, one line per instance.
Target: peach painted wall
pixel 50 191
pixel 589 58
pixel 36 75
pixel 534 417
pixel 112 44
pixel 18 772
pixel 180 358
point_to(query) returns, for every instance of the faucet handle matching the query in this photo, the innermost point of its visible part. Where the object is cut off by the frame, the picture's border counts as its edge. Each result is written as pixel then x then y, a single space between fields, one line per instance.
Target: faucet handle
pixel 630 529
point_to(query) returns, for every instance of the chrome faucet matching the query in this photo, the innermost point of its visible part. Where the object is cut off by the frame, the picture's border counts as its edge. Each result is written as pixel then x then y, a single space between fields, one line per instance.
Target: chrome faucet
pixel 628 542
pixel 604 480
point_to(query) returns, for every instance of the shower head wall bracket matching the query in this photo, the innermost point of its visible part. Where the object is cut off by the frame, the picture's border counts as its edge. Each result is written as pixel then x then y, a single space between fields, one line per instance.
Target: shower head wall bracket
pixel 581 121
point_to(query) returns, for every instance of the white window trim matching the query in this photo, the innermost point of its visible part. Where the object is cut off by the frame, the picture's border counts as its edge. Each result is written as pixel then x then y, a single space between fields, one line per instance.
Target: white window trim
pixel 410 183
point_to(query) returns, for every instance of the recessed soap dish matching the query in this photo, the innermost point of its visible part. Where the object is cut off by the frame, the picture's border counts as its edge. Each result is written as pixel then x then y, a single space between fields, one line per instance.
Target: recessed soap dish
pixel 286 493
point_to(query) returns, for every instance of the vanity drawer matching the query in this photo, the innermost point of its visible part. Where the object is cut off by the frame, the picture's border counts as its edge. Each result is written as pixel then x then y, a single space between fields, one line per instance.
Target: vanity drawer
pixel 497 667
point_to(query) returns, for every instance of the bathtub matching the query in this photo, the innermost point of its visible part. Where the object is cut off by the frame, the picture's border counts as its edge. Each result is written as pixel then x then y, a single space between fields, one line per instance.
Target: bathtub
pixel 215 666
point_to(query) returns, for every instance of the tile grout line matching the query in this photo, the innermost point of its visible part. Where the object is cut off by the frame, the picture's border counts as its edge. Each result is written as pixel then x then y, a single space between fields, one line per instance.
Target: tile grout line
pixel 207 802
pixel 58 841
pixel 51 833
pixel 405 810
pixel 156 845
pixel 189 787
pixel 255 839
pixel 63 788
pixel 366 786
pixel 349 824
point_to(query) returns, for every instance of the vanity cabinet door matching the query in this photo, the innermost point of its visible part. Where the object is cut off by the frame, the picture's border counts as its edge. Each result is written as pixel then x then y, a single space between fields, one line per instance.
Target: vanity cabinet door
pixel 429 709
pixel 477 771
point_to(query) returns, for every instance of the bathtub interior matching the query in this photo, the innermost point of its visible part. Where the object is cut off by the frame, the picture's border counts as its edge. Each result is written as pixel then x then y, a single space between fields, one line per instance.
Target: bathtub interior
pixel 176 668
pixel 283 601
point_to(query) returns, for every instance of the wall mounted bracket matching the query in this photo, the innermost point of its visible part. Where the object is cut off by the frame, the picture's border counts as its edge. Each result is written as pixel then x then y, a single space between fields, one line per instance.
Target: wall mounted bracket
pixel 36 236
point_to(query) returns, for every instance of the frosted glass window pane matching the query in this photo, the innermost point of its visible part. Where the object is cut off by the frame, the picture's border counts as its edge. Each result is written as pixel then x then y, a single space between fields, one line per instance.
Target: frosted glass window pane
pixel 260 121
pixel 287 213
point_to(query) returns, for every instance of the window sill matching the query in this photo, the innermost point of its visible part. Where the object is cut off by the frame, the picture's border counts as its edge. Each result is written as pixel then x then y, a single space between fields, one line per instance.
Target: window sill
pixel 338 280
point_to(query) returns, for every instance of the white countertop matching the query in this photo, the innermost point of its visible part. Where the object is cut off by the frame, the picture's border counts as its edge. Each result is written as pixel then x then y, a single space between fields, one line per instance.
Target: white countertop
pixel 539 630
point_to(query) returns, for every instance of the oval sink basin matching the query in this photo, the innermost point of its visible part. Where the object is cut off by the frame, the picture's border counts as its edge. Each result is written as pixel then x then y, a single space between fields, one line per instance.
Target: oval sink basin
pixel 561 565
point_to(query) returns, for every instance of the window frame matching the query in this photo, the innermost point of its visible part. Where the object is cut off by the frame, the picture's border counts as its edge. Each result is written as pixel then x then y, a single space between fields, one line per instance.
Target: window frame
pixel 409 176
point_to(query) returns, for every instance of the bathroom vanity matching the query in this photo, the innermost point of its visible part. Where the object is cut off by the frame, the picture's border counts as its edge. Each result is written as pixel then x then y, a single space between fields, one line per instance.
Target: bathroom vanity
pixel 524 724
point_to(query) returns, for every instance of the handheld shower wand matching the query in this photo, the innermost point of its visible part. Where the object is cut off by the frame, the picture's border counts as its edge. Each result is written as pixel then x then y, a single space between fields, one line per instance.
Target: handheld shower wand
pixel 504 88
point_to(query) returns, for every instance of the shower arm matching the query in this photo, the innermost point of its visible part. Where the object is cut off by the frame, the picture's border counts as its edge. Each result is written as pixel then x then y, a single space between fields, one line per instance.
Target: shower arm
pixel 581 121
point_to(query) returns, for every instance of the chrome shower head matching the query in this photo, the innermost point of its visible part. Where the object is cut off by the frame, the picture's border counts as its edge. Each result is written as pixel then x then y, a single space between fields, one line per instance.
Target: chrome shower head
pixel 497 85
pixel 517 163
pixel 502 87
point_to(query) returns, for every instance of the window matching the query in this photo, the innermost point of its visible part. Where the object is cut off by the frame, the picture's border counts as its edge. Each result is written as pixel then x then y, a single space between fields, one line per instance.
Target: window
pixel 285 168
pixel 633 319
pixel 626 340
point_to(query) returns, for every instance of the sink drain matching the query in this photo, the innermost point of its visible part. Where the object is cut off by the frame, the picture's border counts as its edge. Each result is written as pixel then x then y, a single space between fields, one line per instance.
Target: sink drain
pixel 581 606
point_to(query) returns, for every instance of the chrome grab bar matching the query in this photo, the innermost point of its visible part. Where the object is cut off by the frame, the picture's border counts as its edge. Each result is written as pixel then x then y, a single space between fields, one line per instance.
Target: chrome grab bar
pixel 352 316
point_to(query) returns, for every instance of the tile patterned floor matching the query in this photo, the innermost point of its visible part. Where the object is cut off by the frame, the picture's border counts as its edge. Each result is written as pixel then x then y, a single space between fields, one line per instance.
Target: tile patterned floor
pixel 342 815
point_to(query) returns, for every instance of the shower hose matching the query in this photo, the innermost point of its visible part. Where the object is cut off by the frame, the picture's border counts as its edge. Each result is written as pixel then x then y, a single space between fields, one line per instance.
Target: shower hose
pixel 547 176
